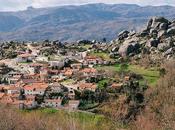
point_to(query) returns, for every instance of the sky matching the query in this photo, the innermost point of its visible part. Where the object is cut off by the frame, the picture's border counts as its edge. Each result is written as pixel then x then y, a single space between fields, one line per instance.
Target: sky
pixel 14 5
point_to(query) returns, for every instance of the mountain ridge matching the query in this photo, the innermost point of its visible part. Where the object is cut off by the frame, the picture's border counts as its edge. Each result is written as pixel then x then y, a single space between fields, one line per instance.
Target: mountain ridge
pixel 71 23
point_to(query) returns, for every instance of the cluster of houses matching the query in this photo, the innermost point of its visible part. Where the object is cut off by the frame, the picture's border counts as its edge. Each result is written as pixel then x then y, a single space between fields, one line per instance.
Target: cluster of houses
pixel 35 76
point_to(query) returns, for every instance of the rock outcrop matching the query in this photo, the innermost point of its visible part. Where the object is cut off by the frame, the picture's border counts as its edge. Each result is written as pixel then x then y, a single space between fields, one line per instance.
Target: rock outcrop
pixel 128 48
pixel 122 35
pixel 158 38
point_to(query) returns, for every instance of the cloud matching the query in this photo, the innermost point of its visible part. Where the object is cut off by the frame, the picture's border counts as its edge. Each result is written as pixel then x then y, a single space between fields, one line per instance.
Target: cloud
pixel 43 3
pixel 6 5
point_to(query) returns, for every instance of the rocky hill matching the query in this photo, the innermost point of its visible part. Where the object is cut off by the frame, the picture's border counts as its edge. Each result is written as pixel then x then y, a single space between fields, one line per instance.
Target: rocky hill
pixel 156 42
pixel 70 23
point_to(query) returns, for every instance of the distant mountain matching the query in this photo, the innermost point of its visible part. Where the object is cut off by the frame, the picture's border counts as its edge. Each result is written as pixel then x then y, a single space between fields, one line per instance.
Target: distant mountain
pixel 70 23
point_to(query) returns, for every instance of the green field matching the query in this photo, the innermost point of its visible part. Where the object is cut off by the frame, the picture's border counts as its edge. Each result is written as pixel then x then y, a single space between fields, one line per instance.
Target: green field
pixel 68 81
pixel 102 55
pixel 150 75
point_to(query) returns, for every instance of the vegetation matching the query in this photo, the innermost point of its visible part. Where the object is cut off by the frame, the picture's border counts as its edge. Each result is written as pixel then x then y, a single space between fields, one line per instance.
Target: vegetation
pixel 124 106
pixel 51 119
pixel 160 109
pixel 102 55
pixel 102 84
pixel 68 81
pixel 85 105
pixel 86 46
pixel 151 75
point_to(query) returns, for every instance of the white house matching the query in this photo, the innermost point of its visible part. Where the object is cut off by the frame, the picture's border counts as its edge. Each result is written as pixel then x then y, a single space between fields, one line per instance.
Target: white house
pixel 73 104
pixel 54 103
pixel 25 58
pixel 13 90
pixel 58 64
pixel 41 59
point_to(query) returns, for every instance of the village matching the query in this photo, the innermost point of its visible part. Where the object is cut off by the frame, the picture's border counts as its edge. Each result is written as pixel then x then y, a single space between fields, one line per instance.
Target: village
pixel 83 75
pixel 35 80
pixel 118 80
pixel 87 65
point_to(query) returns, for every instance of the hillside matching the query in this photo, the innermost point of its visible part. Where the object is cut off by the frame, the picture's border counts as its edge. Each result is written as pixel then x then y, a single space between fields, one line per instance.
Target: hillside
pixel 126 84
pixel 70 23
pixel 50 119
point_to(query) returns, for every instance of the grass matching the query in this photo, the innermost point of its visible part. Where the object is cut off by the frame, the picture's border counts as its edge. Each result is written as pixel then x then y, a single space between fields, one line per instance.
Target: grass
pixel 102 55
pixel 85 120
pixel 68 81
pixel 25 62
pixel 86 46
pixel 151 75
pixel 87 106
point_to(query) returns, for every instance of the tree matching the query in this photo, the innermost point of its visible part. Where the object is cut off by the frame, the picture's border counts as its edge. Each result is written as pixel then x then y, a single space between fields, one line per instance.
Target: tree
pixel 104 39
pixel 77 94
pixel 123 69
pixel 21 95
pixel 102 84
pixel 65 100
pixel 162 72
pixel 88 95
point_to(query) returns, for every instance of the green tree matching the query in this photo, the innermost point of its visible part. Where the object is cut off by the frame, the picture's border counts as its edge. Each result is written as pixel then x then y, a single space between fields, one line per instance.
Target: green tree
pixel 123 69
pixel 162 72
pixel 102 84
pixel 65 101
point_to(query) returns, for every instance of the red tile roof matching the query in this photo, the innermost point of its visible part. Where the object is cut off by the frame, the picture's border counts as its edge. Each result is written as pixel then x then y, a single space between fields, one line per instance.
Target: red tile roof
pixel 25 55
pixel 91 57
pixel 37 65
pixel 54 100
pixel 36 86
pixel 117 85
pixel 89 70
pixel 28 97
pixel 87 86
pixel 1 95
pixel 68 72
pixel 7 87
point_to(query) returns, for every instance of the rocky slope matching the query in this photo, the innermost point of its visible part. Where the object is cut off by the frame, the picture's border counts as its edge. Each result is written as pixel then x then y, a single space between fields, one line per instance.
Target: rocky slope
pixel 156 40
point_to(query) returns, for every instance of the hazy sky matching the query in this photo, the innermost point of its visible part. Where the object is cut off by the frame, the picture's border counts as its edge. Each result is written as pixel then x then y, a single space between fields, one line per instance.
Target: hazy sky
pixel 11 5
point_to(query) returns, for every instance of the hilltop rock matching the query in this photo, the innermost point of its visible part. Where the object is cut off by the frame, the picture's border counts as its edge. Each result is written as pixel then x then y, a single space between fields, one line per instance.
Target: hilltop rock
pixel 169 51
pixel 159 22
pixel 122 35
pixel 143 33
pixel 128 47
pixel 115 49
pixel 161 33
pixel 152 42
pixel 157 27
pixel 149 24
pixel 172 24
pixel 163 26
pixel 153 32
pixel 163 47
pixel 171 31
pixel 157 41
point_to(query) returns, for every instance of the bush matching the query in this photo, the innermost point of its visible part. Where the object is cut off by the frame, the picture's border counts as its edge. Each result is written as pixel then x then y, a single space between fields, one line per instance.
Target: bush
pixel 102 84
pixel 160 108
